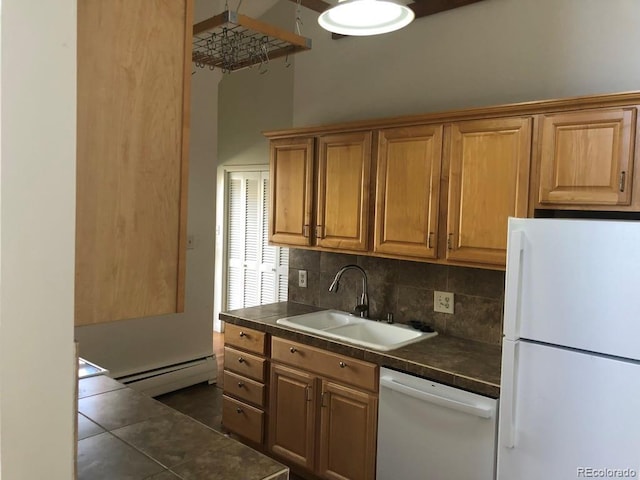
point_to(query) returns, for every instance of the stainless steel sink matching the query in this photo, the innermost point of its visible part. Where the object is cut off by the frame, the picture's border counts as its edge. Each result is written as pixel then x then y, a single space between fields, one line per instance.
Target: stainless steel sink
pixel 358 331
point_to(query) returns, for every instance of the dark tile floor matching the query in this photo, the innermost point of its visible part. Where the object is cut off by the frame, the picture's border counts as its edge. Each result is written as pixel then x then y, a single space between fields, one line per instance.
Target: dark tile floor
pixel 202 402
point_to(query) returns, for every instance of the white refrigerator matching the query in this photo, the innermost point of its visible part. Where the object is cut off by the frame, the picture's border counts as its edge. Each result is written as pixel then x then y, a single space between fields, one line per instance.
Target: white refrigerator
pixel 570 381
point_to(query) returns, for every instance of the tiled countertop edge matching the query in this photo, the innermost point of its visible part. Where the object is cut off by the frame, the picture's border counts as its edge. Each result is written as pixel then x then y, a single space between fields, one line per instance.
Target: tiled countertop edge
pixel 396 359
pixel 154 458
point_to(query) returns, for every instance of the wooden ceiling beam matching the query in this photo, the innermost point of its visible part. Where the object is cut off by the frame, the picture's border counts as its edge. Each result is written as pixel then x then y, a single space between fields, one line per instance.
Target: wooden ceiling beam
pixel 315 5
pixel 423 8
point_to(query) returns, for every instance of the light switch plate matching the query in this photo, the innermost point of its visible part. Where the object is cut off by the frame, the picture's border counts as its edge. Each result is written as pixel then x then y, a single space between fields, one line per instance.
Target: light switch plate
pixel 443 302
pixel 302 278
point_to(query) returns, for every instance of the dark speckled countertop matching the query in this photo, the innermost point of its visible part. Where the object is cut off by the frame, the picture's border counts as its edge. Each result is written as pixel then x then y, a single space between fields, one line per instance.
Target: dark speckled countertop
pixel 469 365
pixel 126 434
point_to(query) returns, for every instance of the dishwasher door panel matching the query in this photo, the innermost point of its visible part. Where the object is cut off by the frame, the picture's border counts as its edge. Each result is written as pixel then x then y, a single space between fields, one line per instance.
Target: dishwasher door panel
pixel 430 431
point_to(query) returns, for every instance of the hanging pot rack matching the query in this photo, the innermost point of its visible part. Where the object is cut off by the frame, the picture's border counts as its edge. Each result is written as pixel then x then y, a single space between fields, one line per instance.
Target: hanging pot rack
pixel 232 41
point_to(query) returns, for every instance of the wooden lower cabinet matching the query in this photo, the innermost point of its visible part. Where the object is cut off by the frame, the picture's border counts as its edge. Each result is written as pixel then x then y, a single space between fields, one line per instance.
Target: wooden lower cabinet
pixel 348 426
pixel 326 426
pixel 293 413
pixel 243 419
pixel 245 375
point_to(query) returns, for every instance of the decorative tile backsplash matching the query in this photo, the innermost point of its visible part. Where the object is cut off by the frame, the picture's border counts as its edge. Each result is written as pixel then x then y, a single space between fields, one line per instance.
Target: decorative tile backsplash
pixel 405 289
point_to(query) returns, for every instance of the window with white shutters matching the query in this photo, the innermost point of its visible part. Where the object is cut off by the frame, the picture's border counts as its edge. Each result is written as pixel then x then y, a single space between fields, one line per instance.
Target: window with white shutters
pixel 256 273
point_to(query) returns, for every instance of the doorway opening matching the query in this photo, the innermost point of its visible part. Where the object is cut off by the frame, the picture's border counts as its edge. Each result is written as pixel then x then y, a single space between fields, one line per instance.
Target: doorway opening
pixel 249 271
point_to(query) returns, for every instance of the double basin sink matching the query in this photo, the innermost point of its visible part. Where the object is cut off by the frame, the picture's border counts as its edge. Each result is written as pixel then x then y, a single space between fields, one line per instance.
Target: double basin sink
pixel 345 327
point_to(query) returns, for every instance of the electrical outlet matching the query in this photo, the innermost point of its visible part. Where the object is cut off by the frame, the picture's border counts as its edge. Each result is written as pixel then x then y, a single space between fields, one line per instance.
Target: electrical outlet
pixel 302 278
pixel 443 302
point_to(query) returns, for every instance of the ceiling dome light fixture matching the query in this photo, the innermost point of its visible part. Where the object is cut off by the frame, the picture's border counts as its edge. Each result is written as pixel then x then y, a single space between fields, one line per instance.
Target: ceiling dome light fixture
pixel 366 17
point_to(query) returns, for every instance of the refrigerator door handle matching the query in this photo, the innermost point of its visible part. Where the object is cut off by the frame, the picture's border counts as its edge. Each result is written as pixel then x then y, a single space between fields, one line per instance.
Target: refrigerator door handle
pixel 478 411
pixel 508 394
pixel 513 285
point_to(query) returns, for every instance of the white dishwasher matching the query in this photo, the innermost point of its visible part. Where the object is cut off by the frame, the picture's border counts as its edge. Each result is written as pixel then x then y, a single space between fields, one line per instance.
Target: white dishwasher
pixel 430 431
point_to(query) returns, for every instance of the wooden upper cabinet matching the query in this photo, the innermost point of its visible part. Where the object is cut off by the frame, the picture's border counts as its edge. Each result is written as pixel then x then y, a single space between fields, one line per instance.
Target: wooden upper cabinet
pixel 586 158
pixel 444 184
pixel 134 71
pixel 291 179
pixel 488 182
pixel 407 191
pixel 344 173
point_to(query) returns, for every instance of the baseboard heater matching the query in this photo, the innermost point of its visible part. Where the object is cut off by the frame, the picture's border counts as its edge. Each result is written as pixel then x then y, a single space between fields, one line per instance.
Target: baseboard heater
pixel 173 377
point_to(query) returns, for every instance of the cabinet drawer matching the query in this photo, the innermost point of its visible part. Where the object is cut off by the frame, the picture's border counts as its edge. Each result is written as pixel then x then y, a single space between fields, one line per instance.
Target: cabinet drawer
pixel 244 363
pixel 245 338
pixel 242 419
pixel 244 388
pixel 345 369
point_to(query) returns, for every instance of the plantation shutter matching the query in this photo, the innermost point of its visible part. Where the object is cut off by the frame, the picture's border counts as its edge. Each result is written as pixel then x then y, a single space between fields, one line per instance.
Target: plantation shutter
pixel 257 273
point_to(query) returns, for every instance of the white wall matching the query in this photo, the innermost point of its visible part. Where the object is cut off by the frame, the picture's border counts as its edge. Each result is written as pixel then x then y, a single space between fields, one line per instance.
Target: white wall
pixel 250 102
pixel 132 346
pixel 37 370
pixel 487 53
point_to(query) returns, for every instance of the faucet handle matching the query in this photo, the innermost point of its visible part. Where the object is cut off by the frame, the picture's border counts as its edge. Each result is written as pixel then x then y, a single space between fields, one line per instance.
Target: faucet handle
pixel 362 310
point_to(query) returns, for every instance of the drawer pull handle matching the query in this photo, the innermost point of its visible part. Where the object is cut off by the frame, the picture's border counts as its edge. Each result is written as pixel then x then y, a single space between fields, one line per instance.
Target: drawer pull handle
pixel 293 349
pixel 240 385
pixel 241 360
pixel 342 364
pixel 239 410
pixel 242 334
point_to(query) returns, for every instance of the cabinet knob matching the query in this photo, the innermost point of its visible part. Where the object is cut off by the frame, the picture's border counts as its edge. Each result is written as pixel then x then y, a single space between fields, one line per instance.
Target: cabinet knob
pixel 241 360
pixel 342 364
pixel 240 385
pixel 293 349
pixel 242 334
pixel 238 410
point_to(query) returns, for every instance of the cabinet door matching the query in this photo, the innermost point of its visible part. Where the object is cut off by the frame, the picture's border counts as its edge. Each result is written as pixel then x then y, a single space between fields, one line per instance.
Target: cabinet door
pixel 292 415
pixel 407 191
pixel 134 70
pixel 348 420
pixel 586 158
pixel 344 165
pixel 291 174
pixel 488 182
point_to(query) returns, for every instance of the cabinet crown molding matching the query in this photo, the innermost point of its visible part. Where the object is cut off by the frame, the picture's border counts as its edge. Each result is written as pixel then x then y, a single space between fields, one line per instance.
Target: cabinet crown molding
pixel 511 109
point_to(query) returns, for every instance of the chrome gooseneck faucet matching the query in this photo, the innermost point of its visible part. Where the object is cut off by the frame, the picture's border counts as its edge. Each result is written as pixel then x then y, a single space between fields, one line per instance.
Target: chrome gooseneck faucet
pixel 363 306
